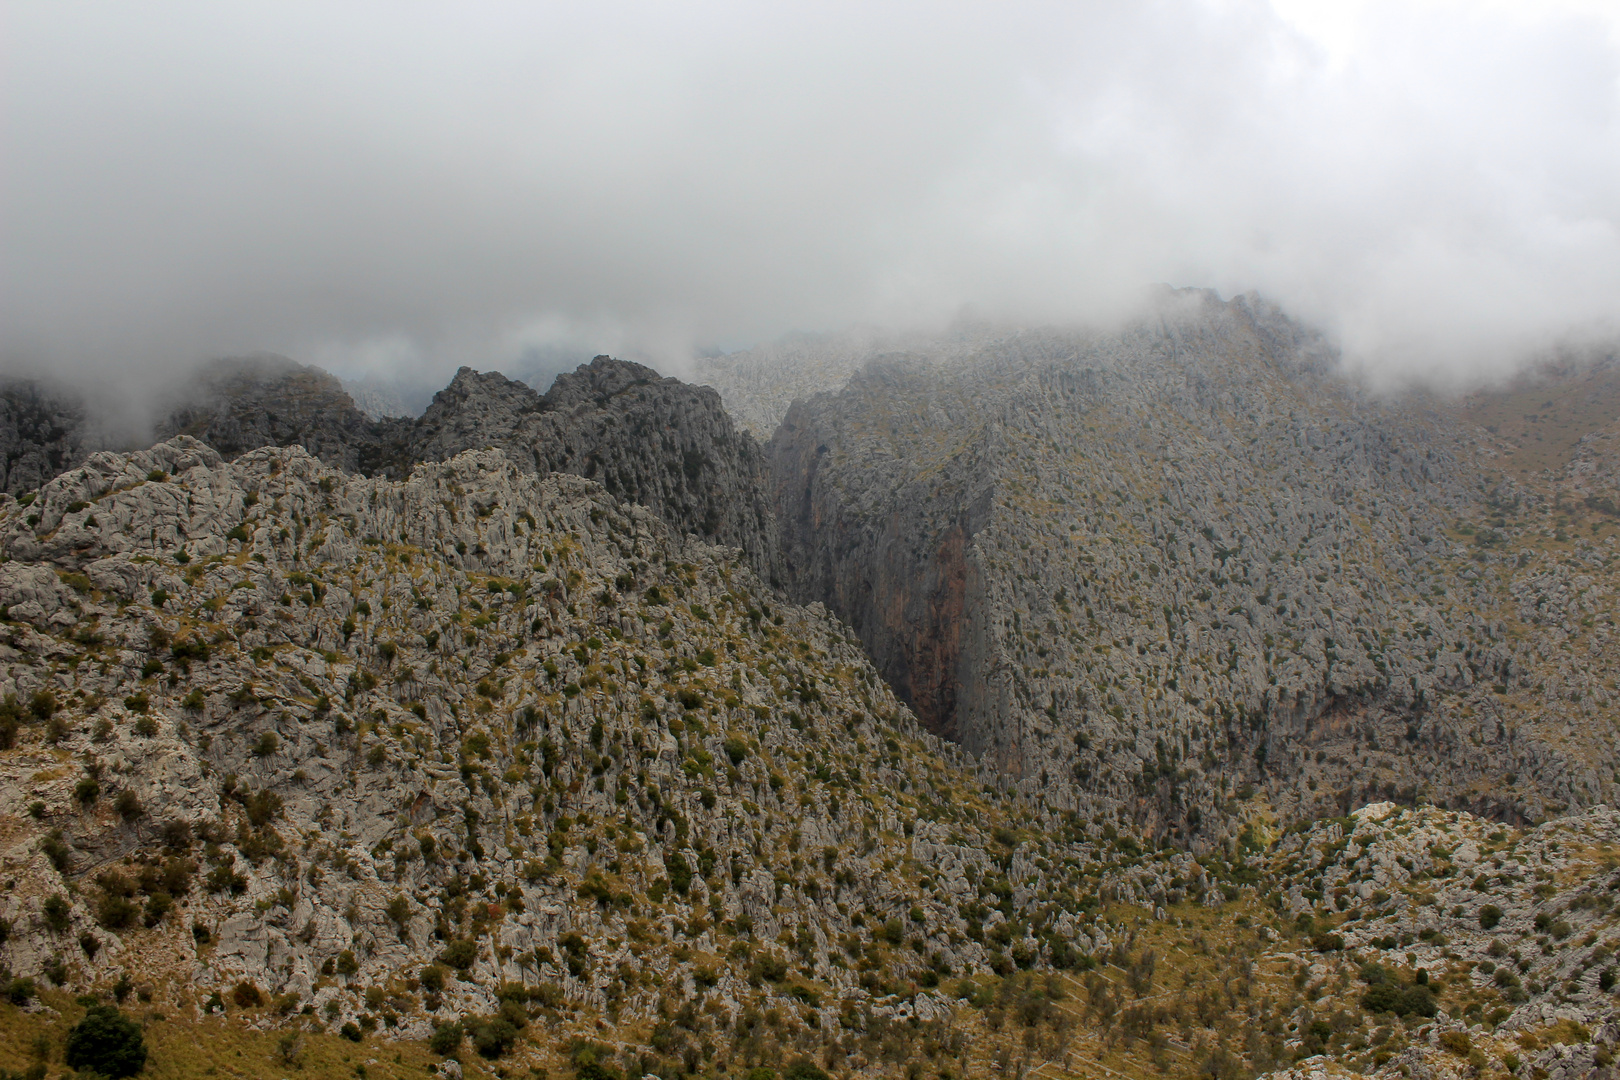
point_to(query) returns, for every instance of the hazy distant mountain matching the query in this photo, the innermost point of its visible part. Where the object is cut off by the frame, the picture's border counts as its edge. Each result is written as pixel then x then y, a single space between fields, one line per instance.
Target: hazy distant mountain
pixel 378 399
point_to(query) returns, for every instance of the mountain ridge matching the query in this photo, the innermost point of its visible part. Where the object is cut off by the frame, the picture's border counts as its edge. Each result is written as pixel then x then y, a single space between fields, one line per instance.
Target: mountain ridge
pixel 703 475
pixel 1073 703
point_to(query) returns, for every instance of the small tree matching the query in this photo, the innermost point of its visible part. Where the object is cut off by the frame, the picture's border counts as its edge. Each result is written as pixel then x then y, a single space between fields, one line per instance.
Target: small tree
pixel 399 911
pixel 106 1042
pixel 804 1069
pixel 446 1039
pixel 57 912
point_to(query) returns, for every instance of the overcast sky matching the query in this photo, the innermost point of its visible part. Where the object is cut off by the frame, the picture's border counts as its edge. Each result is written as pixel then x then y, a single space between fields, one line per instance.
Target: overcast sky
pixel 407 186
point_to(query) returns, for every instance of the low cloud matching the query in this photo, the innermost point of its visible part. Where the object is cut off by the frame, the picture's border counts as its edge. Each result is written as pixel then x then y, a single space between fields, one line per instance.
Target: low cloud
pixel 393 190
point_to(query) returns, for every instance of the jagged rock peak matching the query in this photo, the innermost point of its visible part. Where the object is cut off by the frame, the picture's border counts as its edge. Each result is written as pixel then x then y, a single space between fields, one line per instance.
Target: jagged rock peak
pixel 653 440
pixel 601 380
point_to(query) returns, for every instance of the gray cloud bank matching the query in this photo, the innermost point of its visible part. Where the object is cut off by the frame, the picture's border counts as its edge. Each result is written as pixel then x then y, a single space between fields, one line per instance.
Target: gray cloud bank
pixel 396 188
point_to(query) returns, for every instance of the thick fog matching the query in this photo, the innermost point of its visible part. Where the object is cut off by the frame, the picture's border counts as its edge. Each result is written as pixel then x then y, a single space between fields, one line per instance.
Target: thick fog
pixel 397 188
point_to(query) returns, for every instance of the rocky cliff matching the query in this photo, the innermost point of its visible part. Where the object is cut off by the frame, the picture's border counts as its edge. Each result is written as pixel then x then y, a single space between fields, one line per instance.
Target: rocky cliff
pixel 1162 569
pixel 657 442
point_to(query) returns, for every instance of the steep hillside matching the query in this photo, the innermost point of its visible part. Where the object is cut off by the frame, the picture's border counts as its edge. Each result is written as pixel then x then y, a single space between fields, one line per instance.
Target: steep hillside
pixel 313 750
pixel 1160 571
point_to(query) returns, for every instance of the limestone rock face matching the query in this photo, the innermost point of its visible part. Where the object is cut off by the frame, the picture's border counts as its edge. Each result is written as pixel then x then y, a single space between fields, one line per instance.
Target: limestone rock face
pixel 1157 568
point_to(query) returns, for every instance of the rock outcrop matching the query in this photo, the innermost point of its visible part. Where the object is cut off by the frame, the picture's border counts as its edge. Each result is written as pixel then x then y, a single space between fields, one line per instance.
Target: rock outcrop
pixel 657 442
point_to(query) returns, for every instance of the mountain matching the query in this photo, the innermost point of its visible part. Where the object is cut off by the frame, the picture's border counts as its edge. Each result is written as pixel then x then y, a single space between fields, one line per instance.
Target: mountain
pixel 238 405
pixel 1103 703
pixel 1160 572
pixel 477 743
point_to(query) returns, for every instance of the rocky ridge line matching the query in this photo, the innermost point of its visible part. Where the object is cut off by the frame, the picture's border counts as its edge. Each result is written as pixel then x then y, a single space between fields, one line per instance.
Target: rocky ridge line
pixel 652 440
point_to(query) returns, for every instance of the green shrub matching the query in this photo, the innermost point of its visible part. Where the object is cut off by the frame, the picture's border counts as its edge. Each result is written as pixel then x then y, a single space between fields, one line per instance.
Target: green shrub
pixel 1489 916
pixel 460 954
pixel 20 991
pixel 680 873
pixel 446 1038
pixel 399 910
pixel 1414 1000
pixel 591 1062
pixel 107 1043
pixel 55 848
pixel 128 805
pixel 57 912
pixel 493 1036
pixel 1457 1042
pixel 115 912
pixel 193 648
